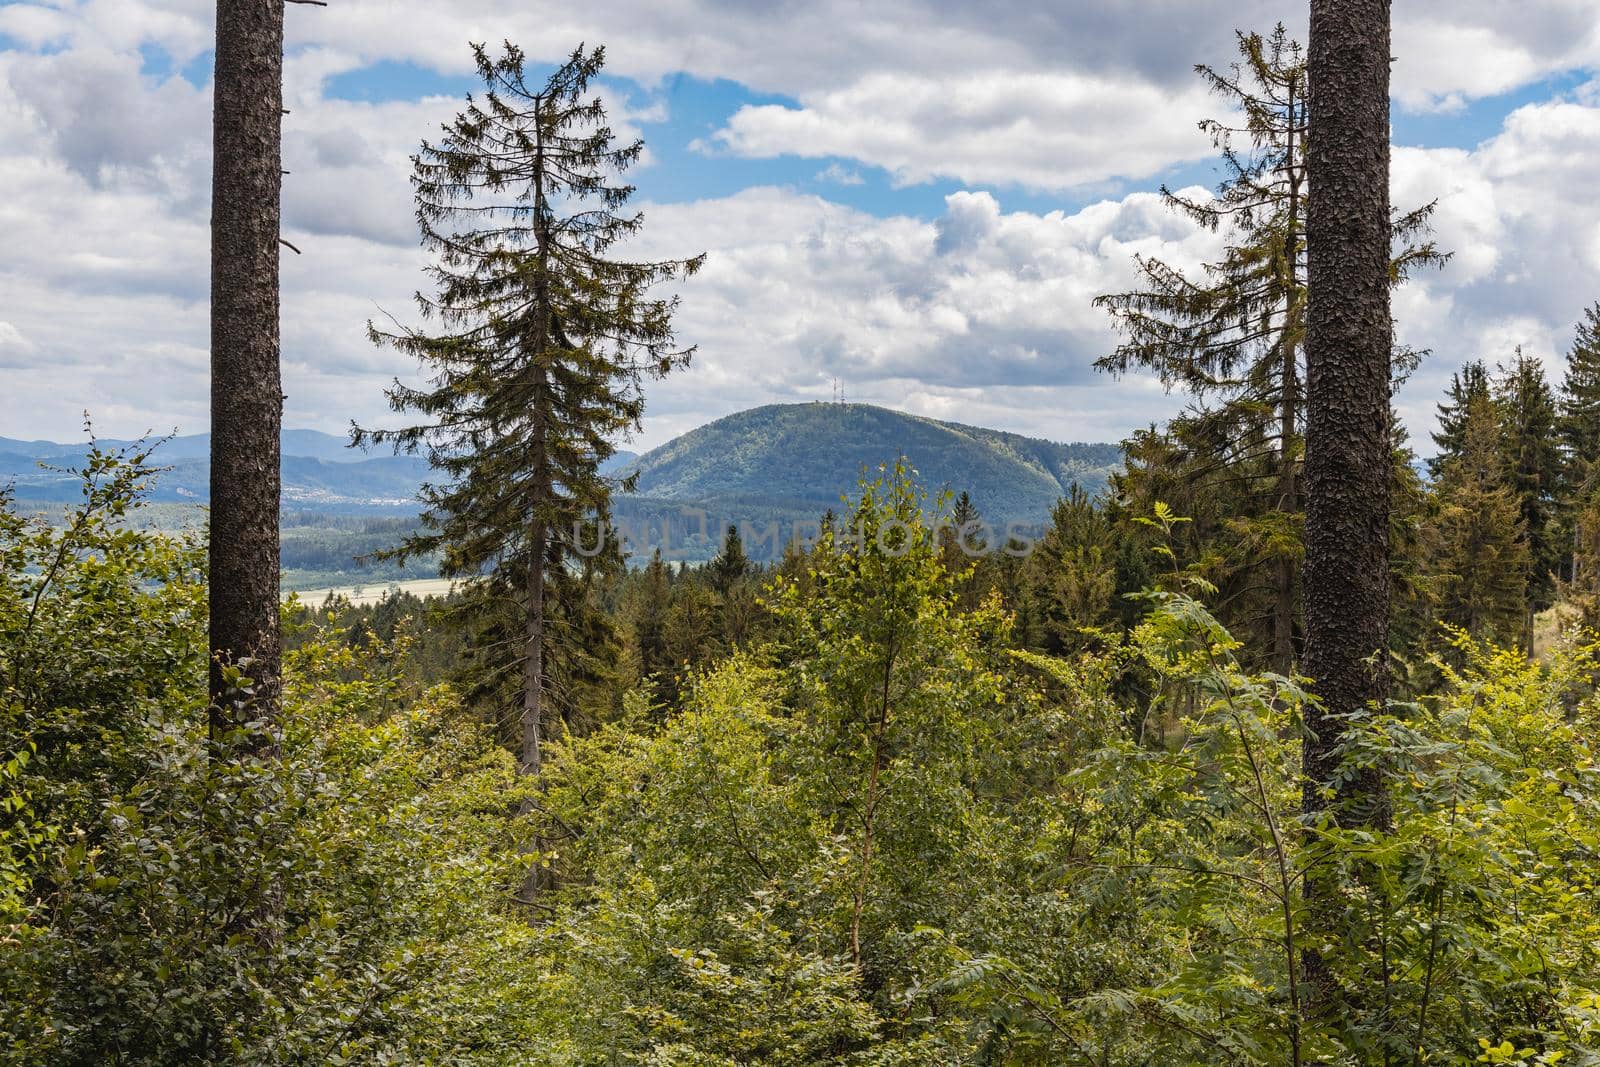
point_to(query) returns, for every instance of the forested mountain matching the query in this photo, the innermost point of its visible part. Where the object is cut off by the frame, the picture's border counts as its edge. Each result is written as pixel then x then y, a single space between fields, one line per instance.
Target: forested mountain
pixel 765 464
pixel 321 472
pixel 326 477
pixel 789 454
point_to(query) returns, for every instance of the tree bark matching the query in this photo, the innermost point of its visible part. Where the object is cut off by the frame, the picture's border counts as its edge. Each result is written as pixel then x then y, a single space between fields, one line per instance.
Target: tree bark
pixel 246 387
pixel 1346 579
pixel 1288 492
pixel 531 763
pixel 1345 583
pixel 533 660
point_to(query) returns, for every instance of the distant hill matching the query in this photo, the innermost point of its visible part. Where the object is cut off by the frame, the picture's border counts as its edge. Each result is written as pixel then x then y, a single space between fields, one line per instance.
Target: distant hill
pixel 808 455
pixel 310 444
pixel 321 472
pixel 777 468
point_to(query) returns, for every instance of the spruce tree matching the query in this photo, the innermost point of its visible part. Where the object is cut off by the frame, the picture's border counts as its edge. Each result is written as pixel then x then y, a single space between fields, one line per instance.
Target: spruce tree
pixel 1477 544
pixel 1534 469
pixel 544 338
pixel 1580 396
pixel 1470 382
pixel 962 546
pixel 649 610
pixel 1580 436
pixel 1075 573
pixel 730 566
pixel 1232 337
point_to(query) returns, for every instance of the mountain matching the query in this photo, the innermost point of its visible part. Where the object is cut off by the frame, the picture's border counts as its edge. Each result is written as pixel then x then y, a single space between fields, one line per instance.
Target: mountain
pixel 311 444
pixel 321 472
pixel 807 455
pixel 774 470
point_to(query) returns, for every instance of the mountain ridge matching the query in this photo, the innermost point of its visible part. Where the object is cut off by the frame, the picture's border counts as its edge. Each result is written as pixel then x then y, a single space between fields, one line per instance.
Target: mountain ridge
pixel 814 453
pixel 789 458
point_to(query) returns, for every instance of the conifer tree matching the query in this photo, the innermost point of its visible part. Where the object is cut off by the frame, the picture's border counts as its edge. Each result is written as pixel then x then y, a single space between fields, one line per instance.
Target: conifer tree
pixel 1579 422
pixel 1477 540
pixel 730 566
pixel 543 340
pixel 1534 470
pixel 962 546
pixel 1470 382
pixel 1075 570
pixel 649 613
pixel 1580 396
pixel 1233 339
pixel 1583 586
pixel 1234 335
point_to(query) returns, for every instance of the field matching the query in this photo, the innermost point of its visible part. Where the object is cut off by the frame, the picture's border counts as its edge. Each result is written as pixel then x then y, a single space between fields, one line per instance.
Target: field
pixel 372 592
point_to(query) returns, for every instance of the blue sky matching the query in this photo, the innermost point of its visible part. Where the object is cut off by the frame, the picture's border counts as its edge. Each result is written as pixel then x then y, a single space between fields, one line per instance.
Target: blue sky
pixel 920 199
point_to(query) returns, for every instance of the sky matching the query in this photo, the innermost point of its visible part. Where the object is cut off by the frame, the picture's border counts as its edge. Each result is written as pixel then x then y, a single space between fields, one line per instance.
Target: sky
pixel 917 198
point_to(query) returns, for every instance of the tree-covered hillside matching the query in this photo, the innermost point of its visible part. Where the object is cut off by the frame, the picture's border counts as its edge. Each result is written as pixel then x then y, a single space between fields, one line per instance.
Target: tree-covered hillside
pixel 814 453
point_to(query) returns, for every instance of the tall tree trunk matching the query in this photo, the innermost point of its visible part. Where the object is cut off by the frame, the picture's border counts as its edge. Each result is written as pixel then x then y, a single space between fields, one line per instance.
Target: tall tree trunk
pixel 246 388
pixel 1348 446
pixel 531 760
pixel 533 659
pixel 1283 605
pixel 533 665
pixel 1346 579
pixel 1289 407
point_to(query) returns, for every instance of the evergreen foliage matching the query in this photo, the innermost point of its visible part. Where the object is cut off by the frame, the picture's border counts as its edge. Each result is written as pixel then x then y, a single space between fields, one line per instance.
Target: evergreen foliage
pixel 1580 397
pixel 1478 542
pixel 1449 439
pixel 1535 470
pixel 1232 338
pixel 544 340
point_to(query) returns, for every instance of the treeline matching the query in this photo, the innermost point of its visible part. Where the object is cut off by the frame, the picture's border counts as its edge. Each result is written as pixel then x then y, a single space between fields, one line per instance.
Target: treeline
pixel 874 826
pixel 1496 538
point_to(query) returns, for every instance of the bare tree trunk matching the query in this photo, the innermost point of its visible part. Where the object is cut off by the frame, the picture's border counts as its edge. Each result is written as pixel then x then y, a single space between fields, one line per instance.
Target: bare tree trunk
pixel 1348 447
pixel 246 388
pixel 531 761
pixel 1288 415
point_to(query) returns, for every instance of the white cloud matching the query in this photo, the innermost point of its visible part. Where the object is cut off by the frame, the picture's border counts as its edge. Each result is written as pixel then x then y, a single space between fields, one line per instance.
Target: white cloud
pixel 1041 131
pixel 979 315
pixel 1450 53
pixel 838 175
pixel 1519 215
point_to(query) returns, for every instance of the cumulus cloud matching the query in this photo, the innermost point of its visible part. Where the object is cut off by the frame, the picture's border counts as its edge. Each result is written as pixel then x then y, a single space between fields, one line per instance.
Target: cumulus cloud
pixel 981 314
pixel 978 314
pixel 1518 213
pixel 1449 54
pixel 1041 131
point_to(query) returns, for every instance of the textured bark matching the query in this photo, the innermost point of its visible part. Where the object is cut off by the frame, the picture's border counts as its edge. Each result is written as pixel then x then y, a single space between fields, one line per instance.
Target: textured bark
pixel 531 761
pixel 531 764
pixel 1283 611
pixel 246 389
pixel 533 661
pixel 1346 578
